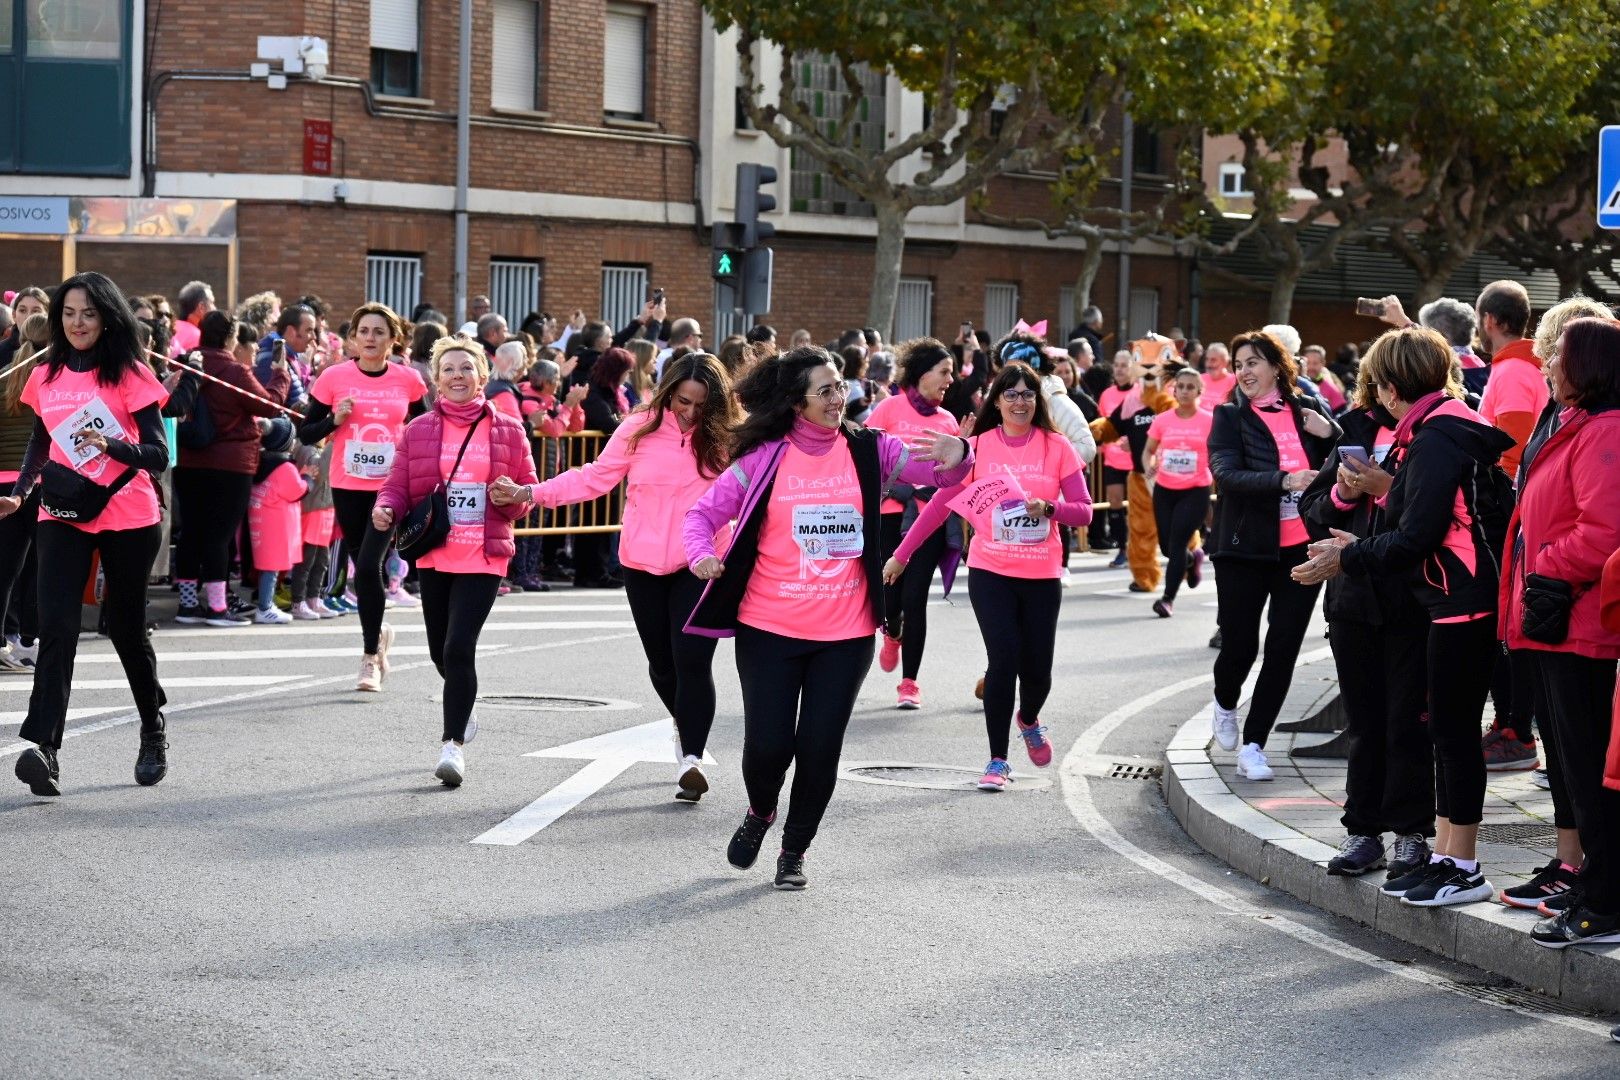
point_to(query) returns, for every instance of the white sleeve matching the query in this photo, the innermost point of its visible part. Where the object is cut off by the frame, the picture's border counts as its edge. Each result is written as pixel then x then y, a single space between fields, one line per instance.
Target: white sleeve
pixel 1068 419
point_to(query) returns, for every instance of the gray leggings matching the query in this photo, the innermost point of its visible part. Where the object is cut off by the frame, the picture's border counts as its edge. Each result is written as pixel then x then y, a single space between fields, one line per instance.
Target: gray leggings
pixel 309 576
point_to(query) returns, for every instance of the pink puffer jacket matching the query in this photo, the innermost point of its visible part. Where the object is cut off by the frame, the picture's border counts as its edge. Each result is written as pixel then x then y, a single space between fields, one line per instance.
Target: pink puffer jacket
pixel 416 471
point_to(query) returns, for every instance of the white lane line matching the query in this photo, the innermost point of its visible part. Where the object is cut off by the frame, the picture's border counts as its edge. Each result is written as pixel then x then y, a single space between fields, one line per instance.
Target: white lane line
pixel 310 684
pixel 1077 794
pixel 167 660
pixel 353 629
pixel 180 682
pixel 18 716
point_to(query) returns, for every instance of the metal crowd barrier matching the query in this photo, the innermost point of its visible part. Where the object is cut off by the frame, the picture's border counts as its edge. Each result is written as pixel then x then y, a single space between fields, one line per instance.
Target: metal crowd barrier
pixel 556 454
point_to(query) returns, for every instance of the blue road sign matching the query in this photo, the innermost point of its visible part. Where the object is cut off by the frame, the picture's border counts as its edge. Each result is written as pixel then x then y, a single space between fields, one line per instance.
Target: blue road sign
pixel 1608 187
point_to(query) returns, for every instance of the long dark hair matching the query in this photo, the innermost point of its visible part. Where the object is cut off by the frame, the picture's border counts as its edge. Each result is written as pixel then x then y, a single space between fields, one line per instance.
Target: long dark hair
pixel 1012 374
pixel 117 350
pixel 771 393
pixel 1272 352
pixel 715 421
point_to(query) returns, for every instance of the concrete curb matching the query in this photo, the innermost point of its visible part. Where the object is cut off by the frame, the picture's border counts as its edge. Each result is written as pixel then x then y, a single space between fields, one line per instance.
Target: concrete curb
pixel 1489 936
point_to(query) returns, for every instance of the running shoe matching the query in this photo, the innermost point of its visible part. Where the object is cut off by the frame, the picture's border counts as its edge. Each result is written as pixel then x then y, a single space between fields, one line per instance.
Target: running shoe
pixel 152 763
pixel 1252 764
pixel 1137 586
pixel 1164 608
pixel 1357 855
pixel 1539 779
pixel 10 661
pixel 1223 725
pixel 997 775
pixel 533 584
pixel 226 617
pixel 28 654
pixel 1400 886
pixel 350 600
pixel 271 617
pixel 1577 926
pixel 1120 561
pixel 503 589
pixel 191 615
pixel 401 598
pixel 910 695
pixel 1409 852
pixel 1505 752
pixel 323 608
pixel 1563 901
pixel 1195 569
pixel 1040 750
pixel 304 613
pixel 978 688
pixel 470 732
pixel 1215 640
pixel 790 872
pixel 342 603
pixel 889 654
pixel 452 765
pixel 37 768
pixel 385 641
pixel 1063 577
pixel 370 674
pixel 1551 880
pixel 238 606
pixel 1450 884
pixel 744 846
pixel 690 780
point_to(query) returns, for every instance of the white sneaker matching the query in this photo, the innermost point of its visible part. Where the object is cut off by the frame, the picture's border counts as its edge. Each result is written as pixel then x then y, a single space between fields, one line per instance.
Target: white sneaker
pixel 370 674
pixel 385 641
pixel 1063 577
pixel 452 765
pixel 1251 763
pixel 303 613
pixel 1224 726
pixel 271 617
pixel 318 606
pixel 690 779
pixel 28 654
pixel 472 729
pixel 401 598
pixel 10 661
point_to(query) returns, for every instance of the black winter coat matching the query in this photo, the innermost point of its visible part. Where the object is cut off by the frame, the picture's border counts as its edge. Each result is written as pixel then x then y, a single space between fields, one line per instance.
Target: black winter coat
pixel 1243 457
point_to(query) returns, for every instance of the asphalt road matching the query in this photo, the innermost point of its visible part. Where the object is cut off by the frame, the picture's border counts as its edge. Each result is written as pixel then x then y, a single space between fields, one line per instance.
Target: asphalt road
pixel 300 898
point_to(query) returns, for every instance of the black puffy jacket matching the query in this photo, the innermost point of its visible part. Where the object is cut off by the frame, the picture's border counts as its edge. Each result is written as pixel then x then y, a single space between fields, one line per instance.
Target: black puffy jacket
pixel 1243 457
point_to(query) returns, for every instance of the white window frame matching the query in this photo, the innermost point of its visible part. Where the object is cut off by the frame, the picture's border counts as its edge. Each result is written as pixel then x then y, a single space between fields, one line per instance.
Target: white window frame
pixel 1000 307
pixel 514 289
pixel 624 62
pixel 395 280
pixel 624 291
pixel 1144 307
pixel 1066 319
pixel 515 73
pixel 396 25
pixel 914 309
pixel 1232 176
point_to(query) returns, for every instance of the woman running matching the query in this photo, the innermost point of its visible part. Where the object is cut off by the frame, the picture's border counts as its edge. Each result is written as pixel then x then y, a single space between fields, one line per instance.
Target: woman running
pixel 801 584
pixel 1016 556
pixel 481 456
pixel 97 440
pixel 927 369
pixel 1176 461
pixel 363 404
pixel 670 452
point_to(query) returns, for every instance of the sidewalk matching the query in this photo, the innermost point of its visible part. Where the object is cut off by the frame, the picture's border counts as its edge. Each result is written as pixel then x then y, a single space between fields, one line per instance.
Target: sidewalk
pixel 1282 832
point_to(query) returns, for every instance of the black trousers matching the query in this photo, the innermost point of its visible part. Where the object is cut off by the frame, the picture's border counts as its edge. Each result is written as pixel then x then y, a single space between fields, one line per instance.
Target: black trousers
pixel 905 603
pixel 681 665
pixel 1513 691
pixel 1243 590
pixel 367 546
pixel 64 567
pixel 1178 515
pixel 1384 683
pixel 797 698
pixel 212 505
pixel 1577 695
pixel 1459 655
pixel 1018 620
pixel 19 605
pixel 307 580
pixel 454 608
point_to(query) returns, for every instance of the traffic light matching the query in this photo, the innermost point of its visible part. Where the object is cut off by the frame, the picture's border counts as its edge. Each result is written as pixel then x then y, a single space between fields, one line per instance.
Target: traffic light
pixel 726 256
pixel 752 202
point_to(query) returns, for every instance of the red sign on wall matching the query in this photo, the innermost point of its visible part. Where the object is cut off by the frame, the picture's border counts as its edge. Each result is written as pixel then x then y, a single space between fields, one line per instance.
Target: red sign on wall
pixel 318 147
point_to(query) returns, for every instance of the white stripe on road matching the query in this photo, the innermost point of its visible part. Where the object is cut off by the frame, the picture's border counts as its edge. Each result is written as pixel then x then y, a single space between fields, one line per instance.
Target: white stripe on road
pixel 167 660
pixel 177 682
pixel 18 716
pixel 353 629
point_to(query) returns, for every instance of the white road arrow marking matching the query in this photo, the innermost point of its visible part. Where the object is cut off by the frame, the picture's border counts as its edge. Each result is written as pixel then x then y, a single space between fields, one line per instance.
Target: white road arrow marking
pixel 609 755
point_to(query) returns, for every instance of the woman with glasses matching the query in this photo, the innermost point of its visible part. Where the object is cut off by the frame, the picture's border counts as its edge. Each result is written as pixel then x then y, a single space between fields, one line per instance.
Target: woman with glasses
pixel 800 585
pixel 1025 476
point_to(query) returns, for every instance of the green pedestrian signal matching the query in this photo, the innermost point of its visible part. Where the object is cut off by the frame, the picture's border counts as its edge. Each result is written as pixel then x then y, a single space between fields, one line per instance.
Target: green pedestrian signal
pixel 724 265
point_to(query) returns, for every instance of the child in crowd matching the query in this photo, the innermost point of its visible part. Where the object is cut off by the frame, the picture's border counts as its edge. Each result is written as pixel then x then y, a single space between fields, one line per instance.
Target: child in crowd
pixel 317 522
pixel 273 524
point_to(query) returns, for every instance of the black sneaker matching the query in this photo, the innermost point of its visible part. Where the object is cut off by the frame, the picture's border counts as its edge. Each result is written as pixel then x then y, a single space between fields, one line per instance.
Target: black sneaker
pixel 1138 587
pixel 790 872
pixel 1576 926
pixel 1550 881
pixel 744 846
pixel 226 617
pixel 1561 902
pixel 1215 640
pixel 1398 886
pixel 152 763
pixel 1448 884
pixel 1410 851
pixel 37 768
pixel 193 614
pixel 1357 855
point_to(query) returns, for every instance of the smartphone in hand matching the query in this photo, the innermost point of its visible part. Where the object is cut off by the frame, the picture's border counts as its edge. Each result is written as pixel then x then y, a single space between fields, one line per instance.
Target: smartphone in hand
pixel 1373 308
pixel 1357 454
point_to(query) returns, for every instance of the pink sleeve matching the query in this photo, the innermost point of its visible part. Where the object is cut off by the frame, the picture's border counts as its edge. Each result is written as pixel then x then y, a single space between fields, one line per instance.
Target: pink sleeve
pixel 932 517
pixel 393 495
pixel 286 484
pixel 526 474
pixel 141 389
pixel 595 478
pixel 1075 507
pixel 719 506
pixel 1579 551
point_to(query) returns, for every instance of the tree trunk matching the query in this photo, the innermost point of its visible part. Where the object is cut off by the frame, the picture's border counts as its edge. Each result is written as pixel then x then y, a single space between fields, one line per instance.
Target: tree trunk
pixel 1282 293
pixel 1571 276
pixel 891 249
pixel 1090 264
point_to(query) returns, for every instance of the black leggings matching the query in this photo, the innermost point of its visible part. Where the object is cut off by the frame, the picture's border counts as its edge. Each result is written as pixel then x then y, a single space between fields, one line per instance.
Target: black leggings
pixel 1018 620
pixel 1459 654
pixel 1384 685
pixel 797 697
pixel 64 568
pixel 368 547
pixel 18 601
pixel 1242 589
pixel 1178 514
pixel 212 505
pixel 307 580
pixel 681 665
pixel 905 603
pixel 454 607
pixel 1577 695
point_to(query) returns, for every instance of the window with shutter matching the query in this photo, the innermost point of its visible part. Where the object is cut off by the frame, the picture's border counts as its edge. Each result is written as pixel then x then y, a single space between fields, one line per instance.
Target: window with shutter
pixel 514 289
pixel 624 290
pixel 395 280
pixel 914 309
pixel 516 55
pixel 1000 307
pixel 624 67
pixel 395 40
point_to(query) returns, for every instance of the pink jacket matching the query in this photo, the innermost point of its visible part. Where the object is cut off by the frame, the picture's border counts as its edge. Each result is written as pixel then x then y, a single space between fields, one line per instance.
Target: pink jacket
pixel 416 472
pixel 1611 621
pixel 664 483
pixel 273 519
pixel 1566 526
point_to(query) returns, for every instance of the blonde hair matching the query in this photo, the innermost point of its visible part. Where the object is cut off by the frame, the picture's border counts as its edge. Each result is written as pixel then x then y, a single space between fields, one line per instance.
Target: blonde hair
pixel 34 333
pixel 641 373
pixel 1414 361
pixel 1555 318
pixel 457 343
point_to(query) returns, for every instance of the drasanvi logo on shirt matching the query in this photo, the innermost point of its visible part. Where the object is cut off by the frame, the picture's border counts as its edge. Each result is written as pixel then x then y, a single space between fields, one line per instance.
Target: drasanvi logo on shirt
pixel 819 483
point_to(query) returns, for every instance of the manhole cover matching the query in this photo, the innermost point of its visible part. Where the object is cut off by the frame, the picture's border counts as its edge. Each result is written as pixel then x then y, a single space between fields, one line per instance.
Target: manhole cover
pixel 552 703
pixel 931 777
pixel 1528 834
pixel 1123 771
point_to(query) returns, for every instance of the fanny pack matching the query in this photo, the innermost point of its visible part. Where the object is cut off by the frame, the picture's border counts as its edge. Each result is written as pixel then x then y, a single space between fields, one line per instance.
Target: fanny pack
pixel 427 524
pixel 1547 603
pixel 68 496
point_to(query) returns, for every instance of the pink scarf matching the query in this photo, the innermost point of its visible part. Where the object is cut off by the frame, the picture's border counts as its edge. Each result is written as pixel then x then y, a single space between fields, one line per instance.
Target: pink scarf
pixel 1422 407
pixel 812 438
pixel 1268 399
pixel 923 406
pixel 464 413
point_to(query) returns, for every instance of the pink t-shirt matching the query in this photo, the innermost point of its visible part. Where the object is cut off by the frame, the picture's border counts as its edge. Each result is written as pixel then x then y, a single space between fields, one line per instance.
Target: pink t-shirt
pixel 1217 389
pixel 1117 454
pixel 186 337
pixel 1290 458
pixel 365 442
pixel 897 416
pixel 273 519
pixel 1382 441
pixel 1183 449
pixel 809 581
pixel 1015 544
pixel 468 494
pixel 73 401
pixel 1514 387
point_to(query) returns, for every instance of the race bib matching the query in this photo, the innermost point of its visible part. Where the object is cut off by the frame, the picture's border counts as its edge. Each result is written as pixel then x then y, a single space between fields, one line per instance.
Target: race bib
pixel 1179 462
pixel 466 504
pixel 93 414
pixel 1288 506
pixel 368 460
pixel 1014 525
pixel 829 532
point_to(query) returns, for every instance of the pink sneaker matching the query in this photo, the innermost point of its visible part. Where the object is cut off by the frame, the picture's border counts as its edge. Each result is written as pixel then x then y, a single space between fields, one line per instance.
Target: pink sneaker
pixel 997 775
pixel 889 654
pixel 1195 569
pixel 1040 751
pixel 910 695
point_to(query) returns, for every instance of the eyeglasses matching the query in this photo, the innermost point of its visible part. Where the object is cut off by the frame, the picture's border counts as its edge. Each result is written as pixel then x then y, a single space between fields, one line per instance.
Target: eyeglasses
pixel 829 394
pixel 1013 397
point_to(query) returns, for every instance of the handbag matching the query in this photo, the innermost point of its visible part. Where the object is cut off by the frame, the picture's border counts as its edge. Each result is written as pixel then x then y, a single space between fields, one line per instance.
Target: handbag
pixel 68 496
pixel 1547 603
pixel 427 524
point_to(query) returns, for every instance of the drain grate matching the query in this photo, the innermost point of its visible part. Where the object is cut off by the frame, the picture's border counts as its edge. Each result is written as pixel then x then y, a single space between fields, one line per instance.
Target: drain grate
pixel 932 777
pixel 547 702
pixel 1514 997
pixel 1529 834
pixel 1123 771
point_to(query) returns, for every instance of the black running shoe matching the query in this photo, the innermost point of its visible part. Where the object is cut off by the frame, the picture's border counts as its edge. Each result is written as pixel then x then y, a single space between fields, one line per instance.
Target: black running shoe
pixel 790 872
pixel 1215 640
pixel 1398 886
pixel 152 764
pixel 1448 884
pixel 1550 881
pixel 1357 855
pixel 1561 902
pixel 1576 926
pixel 744 846
pixel 195 614
pixel 37 768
